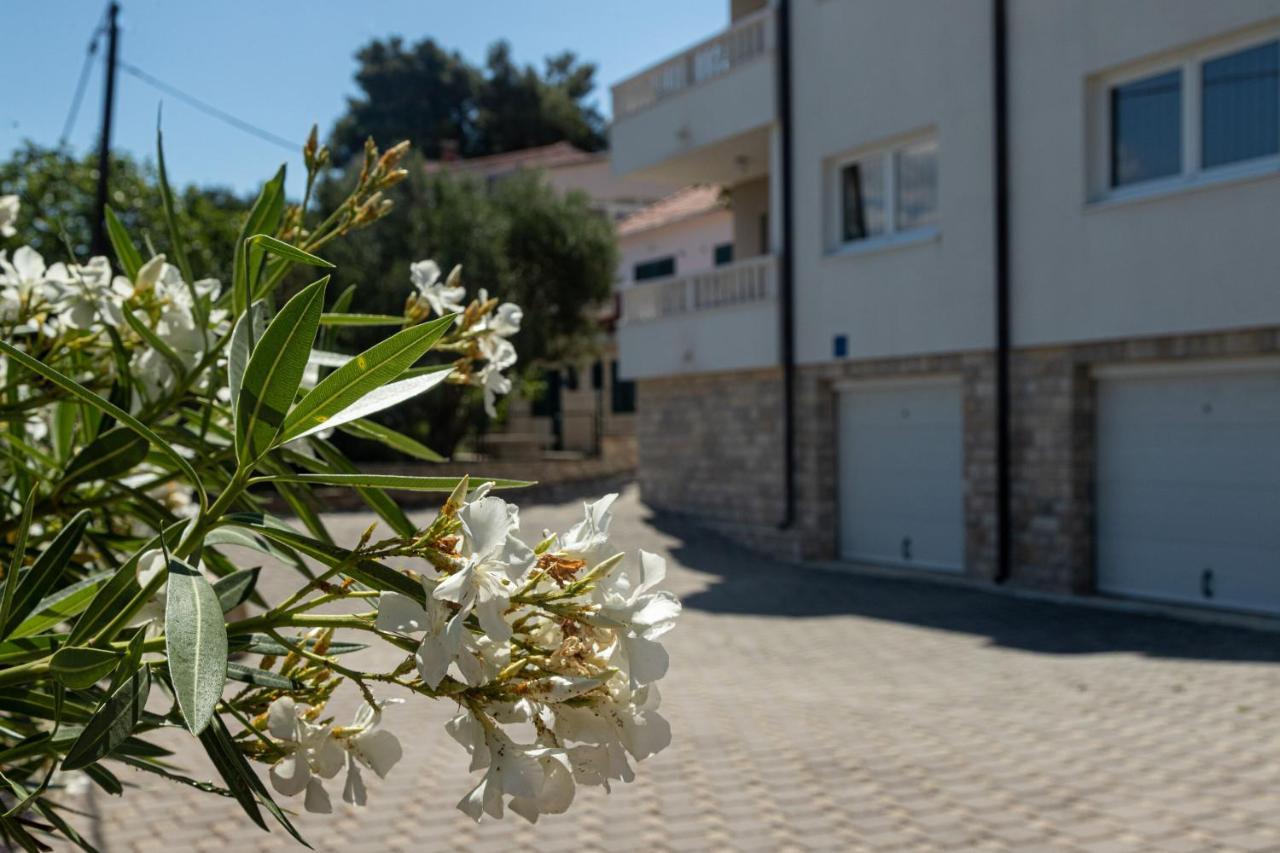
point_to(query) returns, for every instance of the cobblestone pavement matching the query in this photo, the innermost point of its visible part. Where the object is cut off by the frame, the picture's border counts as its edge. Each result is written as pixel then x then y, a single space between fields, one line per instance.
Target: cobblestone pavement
pixel 819 711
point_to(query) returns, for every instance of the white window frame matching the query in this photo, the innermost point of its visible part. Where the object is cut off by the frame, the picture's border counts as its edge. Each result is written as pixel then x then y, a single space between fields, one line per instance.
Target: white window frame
pixel 892 235
pixel 1191 175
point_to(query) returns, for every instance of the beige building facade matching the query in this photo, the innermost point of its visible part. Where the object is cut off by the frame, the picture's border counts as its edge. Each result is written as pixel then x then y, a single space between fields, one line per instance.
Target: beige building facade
pixel 1009 308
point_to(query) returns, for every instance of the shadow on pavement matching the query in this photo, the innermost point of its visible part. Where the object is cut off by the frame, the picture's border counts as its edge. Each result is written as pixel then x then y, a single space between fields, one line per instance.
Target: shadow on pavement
pixel 744 582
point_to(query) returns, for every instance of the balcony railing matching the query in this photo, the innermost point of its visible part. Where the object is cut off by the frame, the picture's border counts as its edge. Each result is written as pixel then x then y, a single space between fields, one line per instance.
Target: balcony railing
pixel 746 40
pixel 752 280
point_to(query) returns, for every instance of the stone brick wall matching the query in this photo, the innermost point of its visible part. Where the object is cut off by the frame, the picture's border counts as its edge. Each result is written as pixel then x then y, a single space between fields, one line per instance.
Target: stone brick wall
pixel 710 446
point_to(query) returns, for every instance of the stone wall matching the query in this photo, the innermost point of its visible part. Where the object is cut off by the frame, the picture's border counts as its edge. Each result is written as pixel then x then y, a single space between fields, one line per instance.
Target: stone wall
pixel 710 446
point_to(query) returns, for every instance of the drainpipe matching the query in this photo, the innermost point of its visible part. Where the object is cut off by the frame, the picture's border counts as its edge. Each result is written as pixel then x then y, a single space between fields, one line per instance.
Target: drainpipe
pixel 786 269
pixel 1004 496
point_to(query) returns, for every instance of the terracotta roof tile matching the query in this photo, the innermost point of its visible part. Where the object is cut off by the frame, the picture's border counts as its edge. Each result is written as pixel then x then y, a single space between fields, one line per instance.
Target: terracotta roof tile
pixel 691 201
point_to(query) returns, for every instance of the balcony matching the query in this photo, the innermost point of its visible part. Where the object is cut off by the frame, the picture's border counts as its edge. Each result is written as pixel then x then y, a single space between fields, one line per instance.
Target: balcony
pixel 720 319
pixel 703 115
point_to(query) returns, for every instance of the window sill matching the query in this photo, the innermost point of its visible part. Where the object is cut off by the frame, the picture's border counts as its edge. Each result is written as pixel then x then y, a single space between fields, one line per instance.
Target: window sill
pixel 888 242
pixel 1220 176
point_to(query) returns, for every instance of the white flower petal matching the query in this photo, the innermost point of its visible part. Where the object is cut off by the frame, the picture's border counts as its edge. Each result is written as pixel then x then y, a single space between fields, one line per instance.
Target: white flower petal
pixel 289 775
pixel 378 750
pixel 401 614
pixel 317 800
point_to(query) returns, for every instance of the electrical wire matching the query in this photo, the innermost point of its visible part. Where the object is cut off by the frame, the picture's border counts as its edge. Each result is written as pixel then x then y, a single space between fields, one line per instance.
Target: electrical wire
pixel 205 107
pixel 85 68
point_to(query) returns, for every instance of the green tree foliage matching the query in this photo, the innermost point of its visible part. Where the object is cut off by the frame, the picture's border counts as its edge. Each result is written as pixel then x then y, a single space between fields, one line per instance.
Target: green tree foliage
pixel 57 191
pixel 432 96
pixel 519 240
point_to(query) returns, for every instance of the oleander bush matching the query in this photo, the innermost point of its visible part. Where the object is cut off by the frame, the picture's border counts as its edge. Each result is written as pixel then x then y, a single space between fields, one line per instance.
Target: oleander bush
pixel 149 421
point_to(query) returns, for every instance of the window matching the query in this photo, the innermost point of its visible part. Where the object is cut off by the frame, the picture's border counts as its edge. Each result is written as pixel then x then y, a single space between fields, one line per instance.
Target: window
pixel 1146 129
pixel 623 398
pixel 1240 106
pixel 656 268
pixel 888 192
pixel 724 254
pixel 1208 110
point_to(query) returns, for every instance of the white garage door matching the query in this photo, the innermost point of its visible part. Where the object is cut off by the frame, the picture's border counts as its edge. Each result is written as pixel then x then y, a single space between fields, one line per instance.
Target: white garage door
pixel 1188 491
pixel 901 474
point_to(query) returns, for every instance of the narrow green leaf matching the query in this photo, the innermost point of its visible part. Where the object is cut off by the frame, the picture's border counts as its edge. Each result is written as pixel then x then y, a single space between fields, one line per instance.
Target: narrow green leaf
pixel 388 481
pixel 407 445
pixel 263 644
pixel 244 336
pixel 236 588
pixel 264 217
pixel 378 500
pixel 112 723
pixel 36 582
pixel 63 429
pixel 127 254
pixel 112 601
pixel 28 648
pixel 104 779
pixel 274 372
pixel 195 643
pixel 261 677
pixel 363 374
pixel 176 246
pixel 59 606
pixel 109 455
pixel 80 667
pixel 75 388
pixel 279 248
pixel 232 767
pixel 15 565
pixel 388 395
pixel 337 319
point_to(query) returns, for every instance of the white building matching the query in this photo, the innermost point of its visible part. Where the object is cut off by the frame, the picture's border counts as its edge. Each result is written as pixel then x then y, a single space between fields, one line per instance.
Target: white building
pixel 1005 300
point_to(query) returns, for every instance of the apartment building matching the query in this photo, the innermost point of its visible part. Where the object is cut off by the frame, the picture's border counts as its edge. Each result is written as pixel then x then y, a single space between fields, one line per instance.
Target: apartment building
pixel 1005 298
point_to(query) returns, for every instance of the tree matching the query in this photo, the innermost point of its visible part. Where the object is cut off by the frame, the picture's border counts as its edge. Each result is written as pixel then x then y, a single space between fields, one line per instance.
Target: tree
pixel 432 96
pixel 57 190
pixel 521 241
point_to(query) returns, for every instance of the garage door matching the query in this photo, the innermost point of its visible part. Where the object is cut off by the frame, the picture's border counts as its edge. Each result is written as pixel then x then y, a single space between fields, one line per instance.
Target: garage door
pixel 901 477
pixel 1188 491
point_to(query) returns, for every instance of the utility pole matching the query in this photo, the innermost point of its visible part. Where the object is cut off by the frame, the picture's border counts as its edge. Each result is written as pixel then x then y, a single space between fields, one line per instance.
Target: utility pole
pixel 104 145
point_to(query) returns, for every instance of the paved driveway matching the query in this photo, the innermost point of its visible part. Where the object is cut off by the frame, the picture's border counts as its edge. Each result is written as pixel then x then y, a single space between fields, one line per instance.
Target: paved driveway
pixel 819 711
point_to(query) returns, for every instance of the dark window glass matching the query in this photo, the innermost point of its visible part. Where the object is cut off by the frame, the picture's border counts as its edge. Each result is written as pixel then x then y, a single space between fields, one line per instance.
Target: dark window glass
pixel 657 268
pixel 862 198
pixel 1146 129
pixel 724 254
pixel 571 379
pixel 1240 106
pixel 624 392
pixel 597 375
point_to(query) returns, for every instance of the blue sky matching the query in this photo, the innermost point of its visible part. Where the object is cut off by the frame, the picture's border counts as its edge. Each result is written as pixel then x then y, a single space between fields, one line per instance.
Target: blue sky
pixel 283 64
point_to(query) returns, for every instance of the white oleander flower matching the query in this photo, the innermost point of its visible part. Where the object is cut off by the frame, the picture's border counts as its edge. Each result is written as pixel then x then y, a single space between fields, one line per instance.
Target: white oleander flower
pixel 493 561
pixel 27 284
pixel 8 215
pixel 445 642
pixel 312 754
pixel 442 298
pixel 625 598
pixel 369 745
pixel 511 769
pixel 94 296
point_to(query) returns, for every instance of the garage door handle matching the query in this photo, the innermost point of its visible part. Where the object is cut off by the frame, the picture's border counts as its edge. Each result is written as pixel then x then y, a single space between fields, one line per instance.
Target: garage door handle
pixel 1206 583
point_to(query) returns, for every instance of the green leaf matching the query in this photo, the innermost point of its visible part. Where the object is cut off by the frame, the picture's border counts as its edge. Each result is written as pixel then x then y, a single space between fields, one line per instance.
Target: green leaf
pixel 367 372
pixel 334 319
pixel 112 603
pixel 261 677
pixel 264 217
pixel 195 643
pixel 127 254
pixel 104 779
pixel 72 387
pixel 369 572
pixel 28 648
pixel 36 582
pixel 109 455
pixel 281 249
pixel 243 783
pixel 112 723
pixel 388 481
pixel 274 372
pixel 247 332
pixel 385 397
pixel 378 500
pixel 236 588
pixel 15 565
pixel 176 247
pixel 375 431
pixel 80 667
pixel 263 644
pixel 60 606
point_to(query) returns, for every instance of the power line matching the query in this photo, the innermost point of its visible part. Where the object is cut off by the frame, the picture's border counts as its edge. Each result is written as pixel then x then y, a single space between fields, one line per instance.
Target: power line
pixel 78 97
pixel 207 108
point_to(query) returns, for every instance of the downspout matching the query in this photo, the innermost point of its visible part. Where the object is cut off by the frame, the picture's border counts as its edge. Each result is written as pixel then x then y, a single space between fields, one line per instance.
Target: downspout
pixel 1004 495
pixel 786 269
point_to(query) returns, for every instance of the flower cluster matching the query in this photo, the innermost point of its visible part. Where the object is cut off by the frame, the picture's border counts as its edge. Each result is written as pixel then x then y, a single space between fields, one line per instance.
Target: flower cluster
pixel 551 651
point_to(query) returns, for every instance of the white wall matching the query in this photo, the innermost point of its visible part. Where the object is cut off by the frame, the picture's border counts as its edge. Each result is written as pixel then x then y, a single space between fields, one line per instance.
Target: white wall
pixel 1184 261
pixel 597 179
pixel 691 241
pixel 866 71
